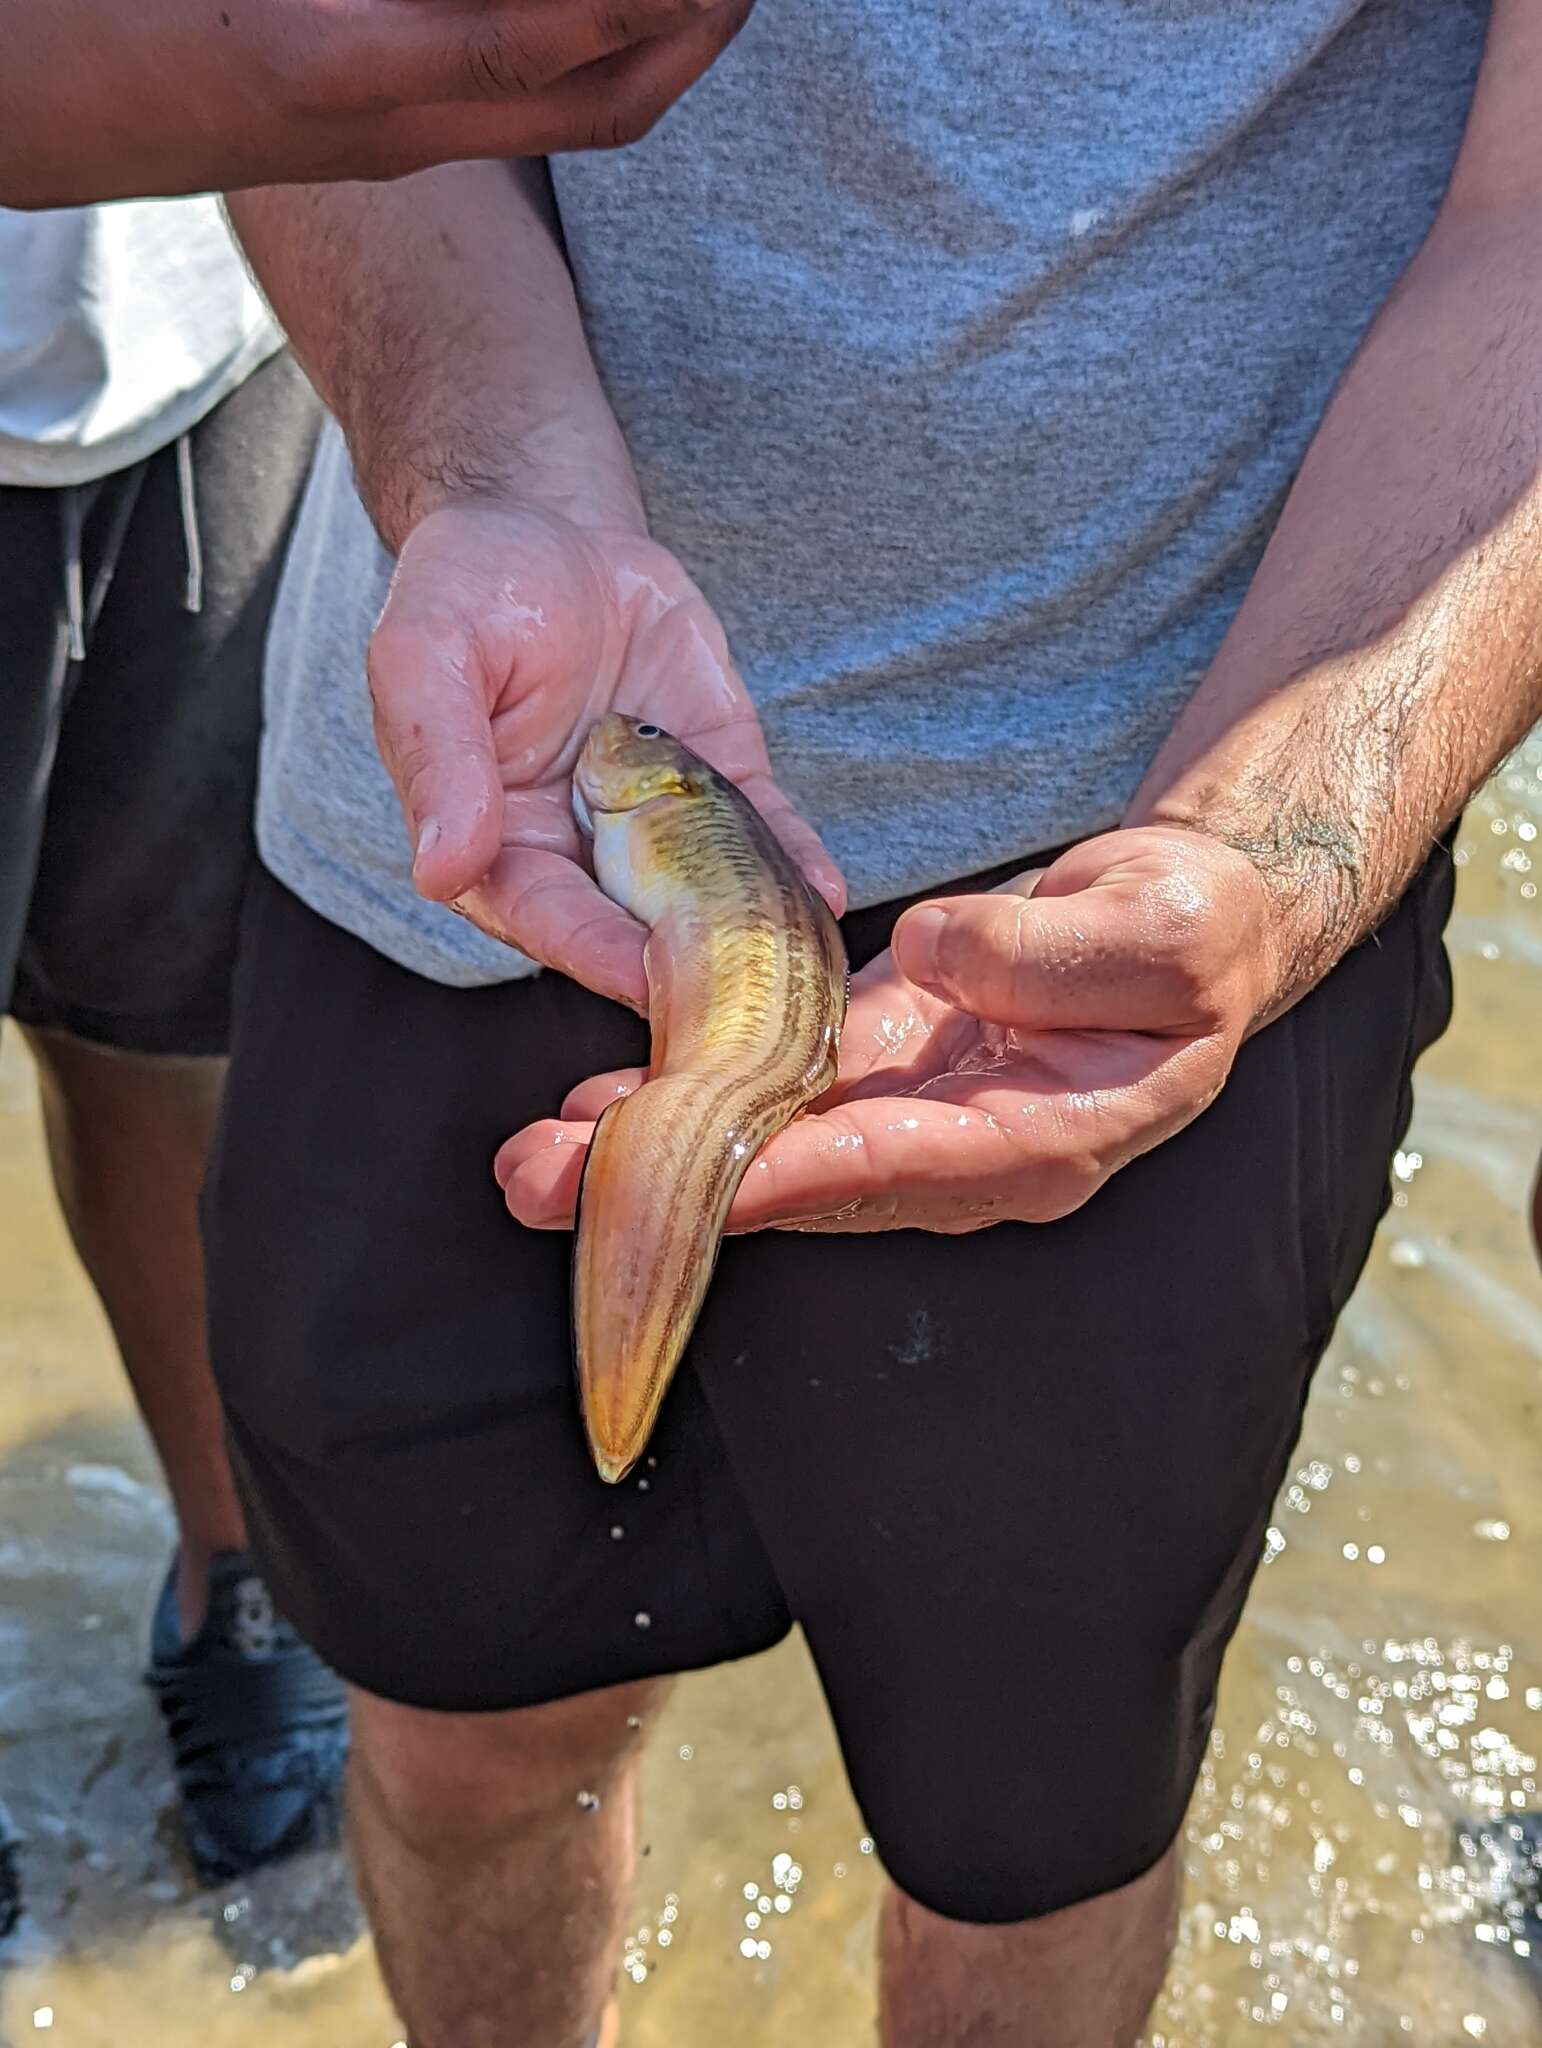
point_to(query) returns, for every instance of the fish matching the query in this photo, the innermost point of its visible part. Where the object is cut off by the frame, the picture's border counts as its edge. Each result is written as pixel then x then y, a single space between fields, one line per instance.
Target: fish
pixel 747 984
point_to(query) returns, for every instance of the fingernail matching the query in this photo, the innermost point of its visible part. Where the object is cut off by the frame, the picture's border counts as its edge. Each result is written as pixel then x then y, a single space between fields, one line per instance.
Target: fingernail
pixel 428 839
pixel 922 936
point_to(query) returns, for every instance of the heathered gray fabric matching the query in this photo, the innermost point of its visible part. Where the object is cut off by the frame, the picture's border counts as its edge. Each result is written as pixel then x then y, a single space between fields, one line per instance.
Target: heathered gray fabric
pixel 966 354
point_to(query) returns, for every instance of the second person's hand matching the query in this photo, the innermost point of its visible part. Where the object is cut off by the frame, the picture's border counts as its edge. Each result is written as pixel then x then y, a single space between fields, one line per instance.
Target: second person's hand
pixel 509 629
pixel 102 102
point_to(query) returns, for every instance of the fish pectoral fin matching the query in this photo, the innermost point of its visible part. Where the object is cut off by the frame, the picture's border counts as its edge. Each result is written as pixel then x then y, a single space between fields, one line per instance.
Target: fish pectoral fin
pixel 829 1071
pixel 657 965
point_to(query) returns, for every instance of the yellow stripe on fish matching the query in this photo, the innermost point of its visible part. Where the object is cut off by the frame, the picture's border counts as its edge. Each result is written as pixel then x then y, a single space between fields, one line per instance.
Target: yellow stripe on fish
pixel 746 998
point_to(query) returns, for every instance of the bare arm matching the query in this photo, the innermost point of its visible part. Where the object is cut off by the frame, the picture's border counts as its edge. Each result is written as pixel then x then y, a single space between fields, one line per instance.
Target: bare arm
pixel 115 99
pixel 1389 651
pixel 437 318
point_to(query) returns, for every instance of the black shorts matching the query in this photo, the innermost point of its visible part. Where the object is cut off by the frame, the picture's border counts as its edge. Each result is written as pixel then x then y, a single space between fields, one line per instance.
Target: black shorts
pixel 128 763
pixel 1013 1485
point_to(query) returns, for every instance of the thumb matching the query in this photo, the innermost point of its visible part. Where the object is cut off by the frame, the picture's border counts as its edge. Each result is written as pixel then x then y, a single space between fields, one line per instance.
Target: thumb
pixel 1081 962
pixel 434 732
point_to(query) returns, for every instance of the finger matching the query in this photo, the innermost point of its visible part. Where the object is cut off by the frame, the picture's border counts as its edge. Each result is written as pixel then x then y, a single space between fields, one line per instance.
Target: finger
pixel 515 48
pixel 507 52
pixel 893 1158
pixel 800 840
pixel 1109 958
pixel 540 1170
pixel 478 106
pixel 435 737
pixel 584 1103
pixel 546 905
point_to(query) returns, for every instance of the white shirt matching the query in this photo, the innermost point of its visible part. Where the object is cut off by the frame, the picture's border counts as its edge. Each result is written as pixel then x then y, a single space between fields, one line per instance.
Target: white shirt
pixel 121 326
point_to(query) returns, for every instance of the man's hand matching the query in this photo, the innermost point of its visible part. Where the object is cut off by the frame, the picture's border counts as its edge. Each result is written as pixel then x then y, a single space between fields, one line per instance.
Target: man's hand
pixel 1009 1054
pixel 101 101
pixel 508 631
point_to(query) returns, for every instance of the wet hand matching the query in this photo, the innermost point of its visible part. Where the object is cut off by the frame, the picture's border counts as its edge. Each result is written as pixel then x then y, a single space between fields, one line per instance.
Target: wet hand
pixel 509 629
pixel 1009 1054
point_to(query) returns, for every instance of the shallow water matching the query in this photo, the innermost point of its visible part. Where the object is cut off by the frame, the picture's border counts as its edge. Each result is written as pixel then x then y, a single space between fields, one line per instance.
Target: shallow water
pixel 1384 1694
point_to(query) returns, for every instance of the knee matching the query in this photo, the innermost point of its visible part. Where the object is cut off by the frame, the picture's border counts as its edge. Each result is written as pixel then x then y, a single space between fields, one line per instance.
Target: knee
pixel 439 1780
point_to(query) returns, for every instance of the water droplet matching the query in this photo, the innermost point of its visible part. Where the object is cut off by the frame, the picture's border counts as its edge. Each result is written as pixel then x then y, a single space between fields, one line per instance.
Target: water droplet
pixel 1491 1531
pixel 866 1845
pixel 642 1619
pixel 642 1486
pixel 1376 1555
pixel 589 1802
pixel 616 1532
pixel 747 1948
pixel 43 2018
pixel 686 1752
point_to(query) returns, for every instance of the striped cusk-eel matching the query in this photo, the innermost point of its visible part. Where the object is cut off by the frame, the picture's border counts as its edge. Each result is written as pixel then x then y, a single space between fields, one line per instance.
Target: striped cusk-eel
pixel 746 997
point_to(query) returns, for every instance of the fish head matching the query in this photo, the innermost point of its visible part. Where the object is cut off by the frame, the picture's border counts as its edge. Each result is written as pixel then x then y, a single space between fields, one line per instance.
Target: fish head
pixel 629 762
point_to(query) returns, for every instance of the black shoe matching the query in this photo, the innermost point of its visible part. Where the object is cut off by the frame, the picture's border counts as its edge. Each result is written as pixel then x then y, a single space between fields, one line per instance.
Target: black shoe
pixel 258 1725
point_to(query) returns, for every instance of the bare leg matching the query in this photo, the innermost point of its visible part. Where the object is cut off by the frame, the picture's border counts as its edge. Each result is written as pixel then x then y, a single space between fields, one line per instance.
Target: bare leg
pixel 1084 1978
pixel 494 1853
pixel 127 1138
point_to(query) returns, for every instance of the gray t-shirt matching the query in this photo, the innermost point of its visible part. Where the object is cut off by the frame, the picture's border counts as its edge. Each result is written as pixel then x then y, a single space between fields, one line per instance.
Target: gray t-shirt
pixel 965 355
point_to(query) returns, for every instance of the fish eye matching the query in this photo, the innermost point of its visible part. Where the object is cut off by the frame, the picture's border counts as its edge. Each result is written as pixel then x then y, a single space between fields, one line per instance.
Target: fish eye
pixel 650 732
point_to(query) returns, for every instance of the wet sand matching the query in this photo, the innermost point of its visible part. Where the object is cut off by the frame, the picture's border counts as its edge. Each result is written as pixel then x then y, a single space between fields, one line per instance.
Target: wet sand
pixel 1384 1693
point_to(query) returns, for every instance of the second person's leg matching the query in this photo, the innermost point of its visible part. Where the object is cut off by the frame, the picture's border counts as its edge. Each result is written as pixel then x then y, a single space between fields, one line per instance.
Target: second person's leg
pixel 123 985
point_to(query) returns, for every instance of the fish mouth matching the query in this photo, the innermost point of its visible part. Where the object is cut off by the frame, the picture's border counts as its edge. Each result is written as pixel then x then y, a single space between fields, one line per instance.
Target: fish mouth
pixel 612 1470
pixel 587 807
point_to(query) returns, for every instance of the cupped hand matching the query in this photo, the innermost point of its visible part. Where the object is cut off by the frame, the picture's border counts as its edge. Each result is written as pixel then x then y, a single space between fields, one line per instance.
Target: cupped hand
pixel 509 629
pixel 1009 1054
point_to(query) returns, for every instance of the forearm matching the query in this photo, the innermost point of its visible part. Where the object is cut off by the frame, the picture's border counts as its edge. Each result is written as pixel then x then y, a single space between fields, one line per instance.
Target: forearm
pixel 1389 652
pixel 436 317
pixel 84 100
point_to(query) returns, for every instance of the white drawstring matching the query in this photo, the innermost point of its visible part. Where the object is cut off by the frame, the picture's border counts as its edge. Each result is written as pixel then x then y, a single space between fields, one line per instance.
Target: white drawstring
pixel 72 517
pixel 192 540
